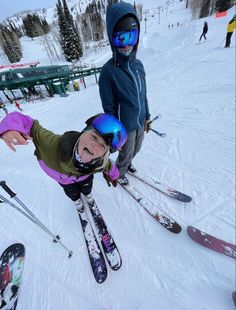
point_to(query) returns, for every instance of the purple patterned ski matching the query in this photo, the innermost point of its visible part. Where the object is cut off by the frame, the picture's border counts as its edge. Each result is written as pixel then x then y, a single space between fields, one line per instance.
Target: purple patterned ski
pixel 96 257
pixel 211 242
pixel 108 244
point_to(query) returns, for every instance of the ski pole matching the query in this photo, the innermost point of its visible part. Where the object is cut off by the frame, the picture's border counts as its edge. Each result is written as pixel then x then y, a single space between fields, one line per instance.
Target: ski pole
pixel 156 117
pixel 162 135
pixel 221 43
pixel 38 223
pixel 27 213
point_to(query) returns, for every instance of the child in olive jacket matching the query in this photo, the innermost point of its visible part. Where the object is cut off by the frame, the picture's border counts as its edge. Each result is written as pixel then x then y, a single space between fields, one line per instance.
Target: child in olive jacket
pixel 71 158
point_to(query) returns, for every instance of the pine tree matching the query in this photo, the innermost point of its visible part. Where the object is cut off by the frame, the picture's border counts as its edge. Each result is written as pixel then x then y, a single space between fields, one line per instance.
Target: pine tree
pixel 70 37
pixel 205 9
pixel 96 22
pixel 63 28
pixel 28 25
pixel 222 5
pixel 10 44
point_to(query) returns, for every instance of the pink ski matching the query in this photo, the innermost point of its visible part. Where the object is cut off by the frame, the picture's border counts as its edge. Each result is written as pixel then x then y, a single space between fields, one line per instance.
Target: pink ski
pixel 211 242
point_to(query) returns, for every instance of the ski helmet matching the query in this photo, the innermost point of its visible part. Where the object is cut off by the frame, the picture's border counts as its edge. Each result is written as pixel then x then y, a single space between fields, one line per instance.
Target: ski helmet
pixel 110 129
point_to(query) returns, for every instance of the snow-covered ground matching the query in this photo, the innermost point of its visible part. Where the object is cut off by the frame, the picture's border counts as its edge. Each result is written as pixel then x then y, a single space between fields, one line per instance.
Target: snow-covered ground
pixel 192 85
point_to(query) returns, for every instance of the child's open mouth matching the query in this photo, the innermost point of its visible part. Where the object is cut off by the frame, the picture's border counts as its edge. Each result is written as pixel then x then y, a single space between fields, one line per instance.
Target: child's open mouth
pixel 88 151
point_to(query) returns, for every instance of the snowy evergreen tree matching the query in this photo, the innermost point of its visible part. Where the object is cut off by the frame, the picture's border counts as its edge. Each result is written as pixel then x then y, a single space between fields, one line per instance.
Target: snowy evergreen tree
pixel 62 27
pixel 10 44
pixel 70 38
pixel 223 5
pixel 96 22
pixel 205 9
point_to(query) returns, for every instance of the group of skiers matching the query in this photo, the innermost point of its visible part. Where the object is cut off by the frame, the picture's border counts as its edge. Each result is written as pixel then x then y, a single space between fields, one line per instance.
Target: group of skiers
pixel 72 158
pixel 230 29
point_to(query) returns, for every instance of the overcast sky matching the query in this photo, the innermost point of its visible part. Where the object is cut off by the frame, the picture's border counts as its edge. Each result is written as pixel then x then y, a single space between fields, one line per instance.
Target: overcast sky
pixel 10 7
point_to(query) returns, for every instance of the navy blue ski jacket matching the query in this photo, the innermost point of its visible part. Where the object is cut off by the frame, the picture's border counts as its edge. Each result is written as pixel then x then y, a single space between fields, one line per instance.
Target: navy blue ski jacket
pixel 122 83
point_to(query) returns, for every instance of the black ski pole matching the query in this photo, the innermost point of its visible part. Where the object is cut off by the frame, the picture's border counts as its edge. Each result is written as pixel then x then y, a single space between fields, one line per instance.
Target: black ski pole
pixel 156 117
pixel 221 43
pixel 161 134
pixel 27 213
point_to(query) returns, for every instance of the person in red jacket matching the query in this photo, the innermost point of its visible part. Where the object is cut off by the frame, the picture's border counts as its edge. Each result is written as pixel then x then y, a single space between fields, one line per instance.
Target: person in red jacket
pixel 17 105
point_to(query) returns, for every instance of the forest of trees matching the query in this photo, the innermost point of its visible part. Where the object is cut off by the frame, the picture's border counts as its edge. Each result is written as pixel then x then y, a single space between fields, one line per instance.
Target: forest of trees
pixel 84 27
pixel 10 35
pixel 91 22
pixel 35 26
pixel 204 8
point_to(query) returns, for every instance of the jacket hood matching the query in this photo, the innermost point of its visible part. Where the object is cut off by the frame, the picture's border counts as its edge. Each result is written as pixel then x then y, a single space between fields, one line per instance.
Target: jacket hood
pixel 114 14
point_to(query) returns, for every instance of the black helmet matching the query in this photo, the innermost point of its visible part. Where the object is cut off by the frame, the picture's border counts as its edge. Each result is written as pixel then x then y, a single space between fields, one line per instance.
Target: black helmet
pixel 126 23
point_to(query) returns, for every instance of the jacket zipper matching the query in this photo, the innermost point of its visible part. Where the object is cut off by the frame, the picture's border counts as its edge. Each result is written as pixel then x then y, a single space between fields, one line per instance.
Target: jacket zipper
pixel 136 84
pixel 140 84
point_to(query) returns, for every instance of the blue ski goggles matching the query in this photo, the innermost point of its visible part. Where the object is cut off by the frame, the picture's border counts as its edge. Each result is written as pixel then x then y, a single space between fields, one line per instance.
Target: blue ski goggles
pixel 125 38
pixel 111 129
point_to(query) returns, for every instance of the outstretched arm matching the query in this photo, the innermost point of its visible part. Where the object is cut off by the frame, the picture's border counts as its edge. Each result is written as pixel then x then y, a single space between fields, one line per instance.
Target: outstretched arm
pixel 15 129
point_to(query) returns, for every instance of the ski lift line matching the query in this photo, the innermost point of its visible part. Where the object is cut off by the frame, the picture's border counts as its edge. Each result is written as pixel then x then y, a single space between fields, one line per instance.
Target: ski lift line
pixel 28 214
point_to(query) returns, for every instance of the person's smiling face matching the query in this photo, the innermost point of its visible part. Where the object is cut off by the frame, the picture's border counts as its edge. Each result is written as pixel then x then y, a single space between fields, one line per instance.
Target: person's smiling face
pixel 91 146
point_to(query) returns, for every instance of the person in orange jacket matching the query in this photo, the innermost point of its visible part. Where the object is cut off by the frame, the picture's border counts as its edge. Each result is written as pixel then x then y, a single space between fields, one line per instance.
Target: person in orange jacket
pixel 230 30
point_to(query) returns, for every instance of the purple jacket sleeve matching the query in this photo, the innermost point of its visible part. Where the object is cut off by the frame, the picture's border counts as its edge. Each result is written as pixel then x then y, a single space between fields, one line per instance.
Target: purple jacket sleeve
pixel 113 172
pixel 16 121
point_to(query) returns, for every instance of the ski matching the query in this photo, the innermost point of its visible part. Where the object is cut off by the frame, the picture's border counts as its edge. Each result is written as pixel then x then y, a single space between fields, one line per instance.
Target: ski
pixel 11 269
pixel 96 257
pixel 162 187
pixel 109 247
pixel 211 242
pixel 159 215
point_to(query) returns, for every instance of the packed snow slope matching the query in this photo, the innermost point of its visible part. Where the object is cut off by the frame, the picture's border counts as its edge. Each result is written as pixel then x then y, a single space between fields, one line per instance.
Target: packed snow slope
pixel 192 85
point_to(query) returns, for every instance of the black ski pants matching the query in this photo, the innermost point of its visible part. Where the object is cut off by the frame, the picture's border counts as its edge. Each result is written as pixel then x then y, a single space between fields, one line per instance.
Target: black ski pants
pixel 228 39
pixel 74 190
pixel 203 35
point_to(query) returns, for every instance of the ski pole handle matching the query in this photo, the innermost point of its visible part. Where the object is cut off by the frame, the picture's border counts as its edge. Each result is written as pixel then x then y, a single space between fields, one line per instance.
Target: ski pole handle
pixel 7 189
pixel 162 135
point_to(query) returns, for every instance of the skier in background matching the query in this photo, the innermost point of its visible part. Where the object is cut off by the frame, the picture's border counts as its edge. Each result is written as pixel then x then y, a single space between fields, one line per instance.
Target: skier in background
pixel 71 158
pixel 230 29
pixel 17 105
pixel 204 31
pixel 122 83
pixel 3 107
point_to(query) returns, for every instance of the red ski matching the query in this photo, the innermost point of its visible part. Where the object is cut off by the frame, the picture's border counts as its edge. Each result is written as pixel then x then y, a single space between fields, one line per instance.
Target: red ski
pixel 211 242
